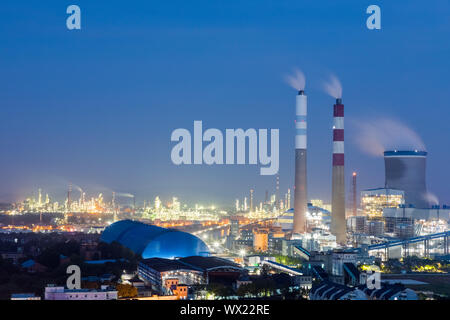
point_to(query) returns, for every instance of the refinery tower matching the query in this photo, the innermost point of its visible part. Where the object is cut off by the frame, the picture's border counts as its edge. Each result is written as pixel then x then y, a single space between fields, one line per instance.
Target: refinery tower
pixel 300 195
pixel 338 226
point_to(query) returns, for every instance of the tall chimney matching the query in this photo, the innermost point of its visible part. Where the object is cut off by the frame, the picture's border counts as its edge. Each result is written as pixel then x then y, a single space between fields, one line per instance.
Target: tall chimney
pixel 300 195
pixel 354 197
pixel 251 200
pixel 338 227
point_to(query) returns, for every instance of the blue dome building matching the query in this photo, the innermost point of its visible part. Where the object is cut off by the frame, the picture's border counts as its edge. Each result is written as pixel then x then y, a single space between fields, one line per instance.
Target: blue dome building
pixel 154 242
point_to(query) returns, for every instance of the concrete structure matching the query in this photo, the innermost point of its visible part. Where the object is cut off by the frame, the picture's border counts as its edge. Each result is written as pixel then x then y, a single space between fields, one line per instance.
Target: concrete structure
pixel 405 170
pixel 60 293
pixel 300 190
pixel 338 226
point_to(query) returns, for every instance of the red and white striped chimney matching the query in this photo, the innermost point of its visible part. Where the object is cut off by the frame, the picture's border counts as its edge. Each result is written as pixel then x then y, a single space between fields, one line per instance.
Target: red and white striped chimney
pixel 338 226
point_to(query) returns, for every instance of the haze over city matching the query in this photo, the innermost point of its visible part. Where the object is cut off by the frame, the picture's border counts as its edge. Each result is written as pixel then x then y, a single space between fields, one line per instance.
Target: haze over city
pixel 225 157
pixel 97 108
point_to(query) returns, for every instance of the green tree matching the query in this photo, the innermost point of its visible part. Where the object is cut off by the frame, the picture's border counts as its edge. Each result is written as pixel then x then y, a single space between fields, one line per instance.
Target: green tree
pixel 219 290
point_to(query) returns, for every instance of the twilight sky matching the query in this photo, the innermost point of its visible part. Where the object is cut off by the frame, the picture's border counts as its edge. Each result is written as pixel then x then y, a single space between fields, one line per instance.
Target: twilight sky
pixel 97 106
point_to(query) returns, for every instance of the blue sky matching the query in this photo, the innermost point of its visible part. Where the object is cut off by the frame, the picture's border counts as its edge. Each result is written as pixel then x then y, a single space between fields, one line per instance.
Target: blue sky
pixel 97 106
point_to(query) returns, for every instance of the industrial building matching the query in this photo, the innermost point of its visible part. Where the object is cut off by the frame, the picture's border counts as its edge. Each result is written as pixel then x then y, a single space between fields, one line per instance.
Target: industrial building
pixel 155 271
pixel 261 240
pixel 333 291
pixel 188 271
pixel 316 218
pixel 151 241
pixel 53 292
pixel 356 224
pixel 327 290
pixel 373 201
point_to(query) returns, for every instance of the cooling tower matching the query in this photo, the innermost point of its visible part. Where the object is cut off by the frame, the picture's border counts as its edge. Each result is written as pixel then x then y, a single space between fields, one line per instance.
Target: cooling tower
pixel 300 196
pixel 405 170
pixel 338 225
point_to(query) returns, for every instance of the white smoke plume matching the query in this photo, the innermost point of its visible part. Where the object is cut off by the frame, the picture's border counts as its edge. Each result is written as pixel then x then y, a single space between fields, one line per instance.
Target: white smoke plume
pixel 431 198
pixel 297 80
pixel 78 188
pixel 333 87
pixel 378 135
pixel 126 195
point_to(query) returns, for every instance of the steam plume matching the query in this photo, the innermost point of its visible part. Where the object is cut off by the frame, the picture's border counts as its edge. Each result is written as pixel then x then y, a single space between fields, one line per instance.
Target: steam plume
pixel 378 135
pixel 333 87
pixel 297 80
pixel 126 195
pixel 78 188
pixel 431 198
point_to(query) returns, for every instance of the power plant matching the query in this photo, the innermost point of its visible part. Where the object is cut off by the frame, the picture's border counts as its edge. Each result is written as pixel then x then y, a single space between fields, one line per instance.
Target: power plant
pixel 300 191
pixel 338 224
pixel 405 170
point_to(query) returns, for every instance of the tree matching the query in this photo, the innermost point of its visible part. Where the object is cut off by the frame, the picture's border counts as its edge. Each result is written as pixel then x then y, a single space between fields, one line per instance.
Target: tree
pixel 244 290
pixel 219 290
pixel 126 291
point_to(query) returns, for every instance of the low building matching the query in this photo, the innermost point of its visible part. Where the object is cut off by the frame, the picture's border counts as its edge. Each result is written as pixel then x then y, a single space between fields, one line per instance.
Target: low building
pixel 24 296
pixel 32 266
pixel 174 287
pixel 339 259
pixel 154 271
pixel 13 256
pixel 327 290
pixel 389 291
pixel 304 281
pixel 260 240
pixel 53 292
pixel 188 271
pixel 215 269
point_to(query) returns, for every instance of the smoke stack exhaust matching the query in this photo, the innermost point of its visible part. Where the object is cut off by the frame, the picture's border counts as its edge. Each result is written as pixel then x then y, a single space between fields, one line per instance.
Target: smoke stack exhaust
pixel 300 192
pixel 338 226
